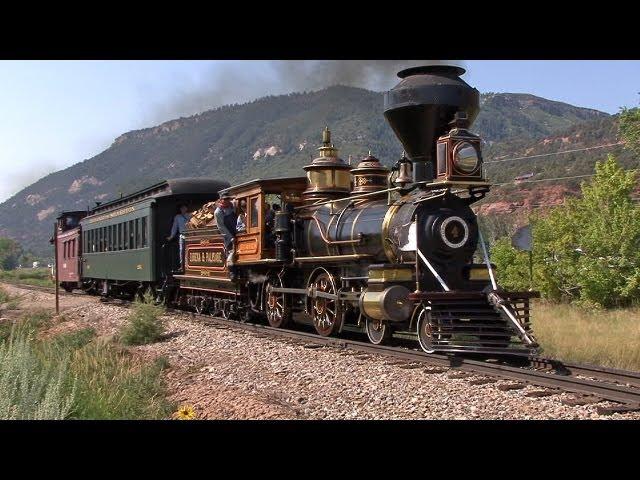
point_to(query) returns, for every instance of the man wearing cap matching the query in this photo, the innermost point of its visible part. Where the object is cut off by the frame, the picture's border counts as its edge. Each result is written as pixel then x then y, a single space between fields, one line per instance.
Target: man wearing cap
pixel 226 219
pixel 179 227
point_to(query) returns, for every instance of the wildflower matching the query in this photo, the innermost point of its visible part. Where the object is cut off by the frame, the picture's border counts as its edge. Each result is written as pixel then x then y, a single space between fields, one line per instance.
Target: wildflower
pixel 185 412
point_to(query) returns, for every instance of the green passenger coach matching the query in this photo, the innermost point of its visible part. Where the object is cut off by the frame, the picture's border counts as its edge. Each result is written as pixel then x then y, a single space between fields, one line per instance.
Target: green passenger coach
pixel 124 243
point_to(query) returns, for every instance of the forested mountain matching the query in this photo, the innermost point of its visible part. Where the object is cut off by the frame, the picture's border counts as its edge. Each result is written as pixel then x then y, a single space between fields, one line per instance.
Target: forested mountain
pixel 276 136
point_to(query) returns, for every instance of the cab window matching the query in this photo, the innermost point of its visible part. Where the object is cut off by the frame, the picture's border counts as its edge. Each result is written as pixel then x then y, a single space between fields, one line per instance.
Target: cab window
pixel 253 202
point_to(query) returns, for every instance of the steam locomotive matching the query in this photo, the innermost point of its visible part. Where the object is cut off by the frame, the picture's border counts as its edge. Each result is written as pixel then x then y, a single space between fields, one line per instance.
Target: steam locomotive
pixel 386 252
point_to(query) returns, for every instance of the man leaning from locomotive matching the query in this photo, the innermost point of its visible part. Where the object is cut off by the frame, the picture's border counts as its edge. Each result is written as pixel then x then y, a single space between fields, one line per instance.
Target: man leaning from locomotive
pixel 226 220
pixel 179 227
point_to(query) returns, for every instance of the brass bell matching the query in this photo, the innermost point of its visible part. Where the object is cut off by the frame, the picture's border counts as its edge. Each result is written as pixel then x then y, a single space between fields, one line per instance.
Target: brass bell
pixel 405 172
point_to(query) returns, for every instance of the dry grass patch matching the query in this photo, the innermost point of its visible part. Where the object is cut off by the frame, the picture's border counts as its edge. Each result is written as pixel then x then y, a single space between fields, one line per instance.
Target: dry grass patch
pixel 601 337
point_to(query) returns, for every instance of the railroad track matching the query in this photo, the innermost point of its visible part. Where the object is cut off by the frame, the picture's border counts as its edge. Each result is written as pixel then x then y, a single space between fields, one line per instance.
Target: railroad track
pixel 591 384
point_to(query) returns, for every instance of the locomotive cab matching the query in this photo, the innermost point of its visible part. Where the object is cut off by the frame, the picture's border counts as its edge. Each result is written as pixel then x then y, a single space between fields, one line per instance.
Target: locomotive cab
pixel 257 242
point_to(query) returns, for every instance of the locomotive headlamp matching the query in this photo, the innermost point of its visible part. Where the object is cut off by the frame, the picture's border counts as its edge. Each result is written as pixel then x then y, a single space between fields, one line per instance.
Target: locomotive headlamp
pixel 465 157
pixel 458 155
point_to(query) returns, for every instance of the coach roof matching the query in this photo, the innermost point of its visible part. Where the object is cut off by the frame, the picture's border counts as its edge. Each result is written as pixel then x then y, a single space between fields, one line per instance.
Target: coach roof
pixel 170 187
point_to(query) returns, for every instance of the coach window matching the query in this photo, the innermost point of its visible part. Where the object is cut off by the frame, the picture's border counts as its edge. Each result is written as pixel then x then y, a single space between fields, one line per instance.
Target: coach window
pixel 138 243
pixel 125 236
pixel 132 234
pixel 144 232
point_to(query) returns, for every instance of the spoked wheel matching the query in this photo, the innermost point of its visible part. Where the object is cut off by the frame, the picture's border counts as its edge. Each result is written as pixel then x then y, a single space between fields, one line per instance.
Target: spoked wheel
pixel 201 305
pixel 425 331
pixel 225 309
pixel 327 317
pixel 379 332
pixel 278 305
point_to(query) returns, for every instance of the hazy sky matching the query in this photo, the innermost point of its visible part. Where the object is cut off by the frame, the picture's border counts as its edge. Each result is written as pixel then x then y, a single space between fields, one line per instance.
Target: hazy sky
pixel 57 113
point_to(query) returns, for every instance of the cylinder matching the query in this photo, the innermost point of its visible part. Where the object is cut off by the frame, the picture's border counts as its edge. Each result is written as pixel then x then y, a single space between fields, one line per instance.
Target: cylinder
pixel 391 304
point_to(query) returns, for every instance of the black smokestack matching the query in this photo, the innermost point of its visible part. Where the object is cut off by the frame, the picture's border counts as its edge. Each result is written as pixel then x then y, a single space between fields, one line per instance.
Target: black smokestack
pixel 420 108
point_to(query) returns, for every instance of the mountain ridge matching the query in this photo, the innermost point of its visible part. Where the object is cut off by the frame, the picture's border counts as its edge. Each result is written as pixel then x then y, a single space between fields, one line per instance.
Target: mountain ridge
pixel 270 136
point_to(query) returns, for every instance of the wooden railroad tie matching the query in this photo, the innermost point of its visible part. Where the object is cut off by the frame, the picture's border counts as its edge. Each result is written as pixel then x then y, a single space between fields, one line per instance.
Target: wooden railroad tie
pixel 511 386
pixel 542 393
pixel 460 375
pixel 617 409
pixel 482 381
pixel 430 371
pixel 581 400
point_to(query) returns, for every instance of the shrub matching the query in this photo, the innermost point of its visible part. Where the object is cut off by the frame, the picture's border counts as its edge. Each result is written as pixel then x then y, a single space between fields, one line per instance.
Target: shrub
pixel 512 265
pixel 75 375
pixel 144 324
pixel 588 250
pixel 30 388
pixel 111 384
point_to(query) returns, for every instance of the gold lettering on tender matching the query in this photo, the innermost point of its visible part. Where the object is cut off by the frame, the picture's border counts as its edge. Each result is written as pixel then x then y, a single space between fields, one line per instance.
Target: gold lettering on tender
pixel 205 258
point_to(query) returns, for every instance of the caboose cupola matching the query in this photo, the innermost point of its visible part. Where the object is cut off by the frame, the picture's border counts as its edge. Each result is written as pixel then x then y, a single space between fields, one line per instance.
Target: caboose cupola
pixel 328 175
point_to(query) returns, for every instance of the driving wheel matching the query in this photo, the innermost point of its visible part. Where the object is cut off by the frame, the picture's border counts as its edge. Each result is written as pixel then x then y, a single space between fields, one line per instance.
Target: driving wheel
pixel 326 313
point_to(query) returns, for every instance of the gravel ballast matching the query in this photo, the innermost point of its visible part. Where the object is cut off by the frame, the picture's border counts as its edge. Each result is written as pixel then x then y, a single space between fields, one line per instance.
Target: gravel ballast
pixel 228 373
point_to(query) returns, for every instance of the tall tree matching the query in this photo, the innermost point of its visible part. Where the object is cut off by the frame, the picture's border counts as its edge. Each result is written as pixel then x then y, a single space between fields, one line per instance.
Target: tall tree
pixel 588 249
pixel 10 252
pixel 630 128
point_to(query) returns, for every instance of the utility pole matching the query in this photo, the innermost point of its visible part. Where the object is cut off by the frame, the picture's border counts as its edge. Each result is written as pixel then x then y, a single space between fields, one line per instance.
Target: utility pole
pixel 55 265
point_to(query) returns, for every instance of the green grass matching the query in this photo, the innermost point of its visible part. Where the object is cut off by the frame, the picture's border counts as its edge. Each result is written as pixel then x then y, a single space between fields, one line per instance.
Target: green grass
pixel 75 375
pixel 608 338
pixel 4 296
pixel 29 276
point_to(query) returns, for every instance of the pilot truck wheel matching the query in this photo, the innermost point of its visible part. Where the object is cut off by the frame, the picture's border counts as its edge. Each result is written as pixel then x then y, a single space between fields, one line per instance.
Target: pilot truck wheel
pixel 379 332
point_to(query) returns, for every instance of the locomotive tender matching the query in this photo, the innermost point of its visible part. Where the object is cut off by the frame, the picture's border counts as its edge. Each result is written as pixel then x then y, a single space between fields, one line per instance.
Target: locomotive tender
pixel 367 249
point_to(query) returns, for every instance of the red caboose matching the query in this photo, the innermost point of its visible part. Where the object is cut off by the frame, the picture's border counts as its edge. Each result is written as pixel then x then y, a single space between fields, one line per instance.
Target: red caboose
pixel 68 246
